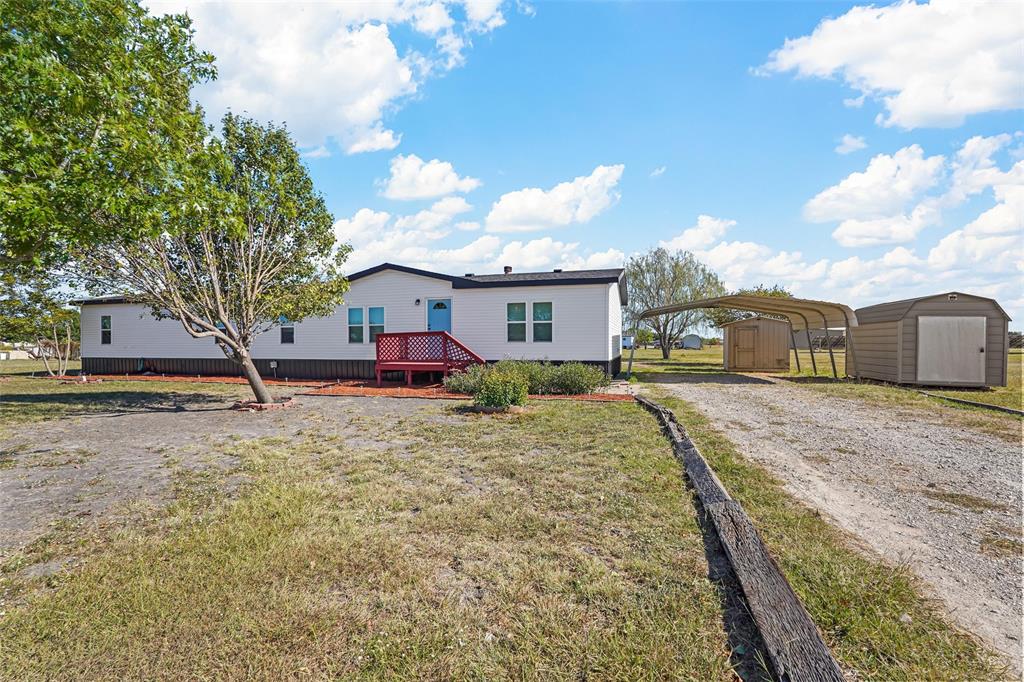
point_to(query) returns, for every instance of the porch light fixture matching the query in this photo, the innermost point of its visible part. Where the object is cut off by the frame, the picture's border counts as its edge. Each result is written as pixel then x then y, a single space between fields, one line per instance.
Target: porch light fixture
pixel 417 301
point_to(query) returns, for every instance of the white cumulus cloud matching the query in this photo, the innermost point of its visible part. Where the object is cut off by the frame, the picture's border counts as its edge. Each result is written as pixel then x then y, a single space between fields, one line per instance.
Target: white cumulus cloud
pixel 883 189
pixel 706 232
pixel 929 64
pixel 534 254
pixel 331 71
pixel 900 195
pixel 413 178
pixel 850 143
pixel 439 214
pixel 575 201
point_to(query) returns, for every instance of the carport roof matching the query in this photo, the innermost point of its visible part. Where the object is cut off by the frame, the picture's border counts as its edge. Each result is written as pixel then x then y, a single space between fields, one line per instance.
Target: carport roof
pixel 802 313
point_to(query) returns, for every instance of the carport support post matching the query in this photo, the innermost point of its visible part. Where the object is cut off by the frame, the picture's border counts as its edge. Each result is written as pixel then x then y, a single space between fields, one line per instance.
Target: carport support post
pixel 792 338
pixel 810 348
pixel 835 374
pixel 632 350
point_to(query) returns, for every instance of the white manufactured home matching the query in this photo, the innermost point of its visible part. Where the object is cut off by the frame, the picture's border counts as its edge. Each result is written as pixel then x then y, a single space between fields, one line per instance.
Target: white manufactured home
pixel 557 316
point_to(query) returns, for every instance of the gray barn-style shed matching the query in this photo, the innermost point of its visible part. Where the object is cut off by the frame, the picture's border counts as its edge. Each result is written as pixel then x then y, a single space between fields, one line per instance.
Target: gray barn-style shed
pixel 951 339
pixel 757 344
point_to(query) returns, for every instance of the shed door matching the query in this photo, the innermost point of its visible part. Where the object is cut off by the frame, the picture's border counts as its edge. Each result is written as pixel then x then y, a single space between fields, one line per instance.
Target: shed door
pixel 951 349
pixel 743 351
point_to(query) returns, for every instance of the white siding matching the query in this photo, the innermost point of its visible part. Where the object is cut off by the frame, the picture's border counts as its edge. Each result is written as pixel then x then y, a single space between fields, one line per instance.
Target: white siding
pixel 136 334
pixel 585 317
pixel 579 330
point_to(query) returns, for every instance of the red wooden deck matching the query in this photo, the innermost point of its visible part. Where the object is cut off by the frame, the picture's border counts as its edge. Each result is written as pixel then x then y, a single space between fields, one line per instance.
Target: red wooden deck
pixel 412 352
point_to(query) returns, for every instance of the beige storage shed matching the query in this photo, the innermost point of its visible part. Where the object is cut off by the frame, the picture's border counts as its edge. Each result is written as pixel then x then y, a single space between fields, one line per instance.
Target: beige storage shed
pixel 757 344
pixel 950 339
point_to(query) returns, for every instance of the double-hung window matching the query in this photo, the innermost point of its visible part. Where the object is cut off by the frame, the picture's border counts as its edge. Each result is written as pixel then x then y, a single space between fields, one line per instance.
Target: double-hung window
pixel 375 316
pixel 105 329
pixel 515 319
pixel 542 321
pixel 355 325
pixel 287 330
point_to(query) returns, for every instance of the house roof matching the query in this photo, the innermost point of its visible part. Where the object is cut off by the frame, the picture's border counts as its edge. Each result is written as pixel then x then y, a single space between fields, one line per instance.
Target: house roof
pixel 99 300
pixel 515 279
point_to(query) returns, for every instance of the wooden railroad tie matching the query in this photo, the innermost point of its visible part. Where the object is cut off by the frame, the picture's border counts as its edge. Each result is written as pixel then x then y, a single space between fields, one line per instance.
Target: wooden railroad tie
pixel 794 645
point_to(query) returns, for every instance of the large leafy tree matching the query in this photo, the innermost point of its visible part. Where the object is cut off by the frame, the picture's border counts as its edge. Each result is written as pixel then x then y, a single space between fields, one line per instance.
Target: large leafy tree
pixel 95 118
pixel 659 278
pixel 247 242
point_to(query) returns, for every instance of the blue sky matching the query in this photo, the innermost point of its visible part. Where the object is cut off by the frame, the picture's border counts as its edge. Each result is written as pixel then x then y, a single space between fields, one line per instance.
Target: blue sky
pixel 463 137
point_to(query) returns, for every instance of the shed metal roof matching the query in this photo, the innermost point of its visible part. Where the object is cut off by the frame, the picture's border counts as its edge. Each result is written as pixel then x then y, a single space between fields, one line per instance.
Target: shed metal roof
pixel 802 313
pixel 897 310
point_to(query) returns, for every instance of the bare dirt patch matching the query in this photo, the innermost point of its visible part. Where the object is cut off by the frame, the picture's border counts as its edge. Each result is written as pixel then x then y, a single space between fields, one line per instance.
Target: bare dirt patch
pixel 933 495
pixel 88 465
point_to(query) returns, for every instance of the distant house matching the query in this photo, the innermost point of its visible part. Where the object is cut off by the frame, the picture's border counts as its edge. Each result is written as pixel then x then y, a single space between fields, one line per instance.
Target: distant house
pixel 691 342
pixel 559 315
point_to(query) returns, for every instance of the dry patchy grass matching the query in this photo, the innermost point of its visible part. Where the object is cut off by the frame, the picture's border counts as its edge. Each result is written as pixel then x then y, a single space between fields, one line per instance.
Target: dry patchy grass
pixel 24 399
pixel 557 544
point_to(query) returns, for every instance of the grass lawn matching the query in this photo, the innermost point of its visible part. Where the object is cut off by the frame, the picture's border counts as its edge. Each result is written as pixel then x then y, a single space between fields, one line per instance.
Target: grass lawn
pixel 425 542
pixel 414 542
pixel 30 366
pixel 709 361
pixel 25 399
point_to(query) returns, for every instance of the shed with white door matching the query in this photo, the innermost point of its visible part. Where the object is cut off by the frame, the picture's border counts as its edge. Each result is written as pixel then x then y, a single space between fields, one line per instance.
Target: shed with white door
pixel 756 344
pixel 950 339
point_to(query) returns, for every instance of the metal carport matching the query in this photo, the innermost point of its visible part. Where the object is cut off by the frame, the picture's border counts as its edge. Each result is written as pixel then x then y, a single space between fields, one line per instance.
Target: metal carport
pixel 799 312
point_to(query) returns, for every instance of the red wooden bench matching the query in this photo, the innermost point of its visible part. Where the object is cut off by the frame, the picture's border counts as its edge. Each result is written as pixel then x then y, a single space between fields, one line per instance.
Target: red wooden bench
pixel 412 352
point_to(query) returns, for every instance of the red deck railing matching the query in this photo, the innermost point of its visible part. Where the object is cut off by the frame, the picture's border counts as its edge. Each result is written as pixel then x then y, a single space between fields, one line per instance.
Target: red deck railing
pixel 422 352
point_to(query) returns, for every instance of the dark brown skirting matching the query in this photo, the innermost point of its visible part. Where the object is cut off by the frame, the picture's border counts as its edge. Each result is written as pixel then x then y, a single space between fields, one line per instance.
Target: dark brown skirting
pixel 290 369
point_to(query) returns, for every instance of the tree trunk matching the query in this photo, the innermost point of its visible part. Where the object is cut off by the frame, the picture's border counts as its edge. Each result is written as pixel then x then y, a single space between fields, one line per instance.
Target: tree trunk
pixel 666 350
pixel 259 389
pixel 40 343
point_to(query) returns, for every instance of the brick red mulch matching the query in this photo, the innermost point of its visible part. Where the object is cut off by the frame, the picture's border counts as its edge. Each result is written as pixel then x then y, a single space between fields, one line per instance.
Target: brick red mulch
pixel 359 388
pixel 369 389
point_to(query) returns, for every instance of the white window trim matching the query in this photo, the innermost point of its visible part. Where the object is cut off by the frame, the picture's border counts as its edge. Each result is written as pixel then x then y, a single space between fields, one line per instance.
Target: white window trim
pixel 366 332
pixel 551 321
pixel 366 323
pixel 280 338
pixel 525 322
pixel 349 325
pixel 109 330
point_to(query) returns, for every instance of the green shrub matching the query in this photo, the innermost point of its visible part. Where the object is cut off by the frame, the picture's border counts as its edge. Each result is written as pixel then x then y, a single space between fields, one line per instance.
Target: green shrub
pixel 501 389
pixel 467 382
pixel 574 378
pixel 536 374
pixel 542 378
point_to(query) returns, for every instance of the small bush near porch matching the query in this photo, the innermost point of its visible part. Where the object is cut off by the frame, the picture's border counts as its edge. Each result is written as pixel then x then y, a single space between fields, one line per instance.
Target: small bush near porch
pixel 542 378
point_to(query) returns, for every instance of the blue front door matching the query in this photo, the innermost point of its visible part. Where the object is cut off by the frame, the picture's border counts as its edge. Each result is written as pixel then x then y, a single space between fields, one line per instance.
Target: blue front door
pixel 439 315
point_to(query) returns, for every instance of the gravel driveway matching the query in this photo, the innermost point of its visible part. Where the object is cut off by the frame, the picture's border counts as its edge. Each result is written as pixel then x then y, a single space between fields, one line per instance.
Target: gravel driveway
pixel 934 495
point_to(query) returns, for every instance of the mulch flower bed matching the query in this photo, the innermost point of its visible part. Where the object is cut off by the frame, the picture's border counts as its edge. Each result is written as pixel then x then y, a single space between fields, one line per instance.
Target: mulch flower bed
pixel 356 387
pixel 368 389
